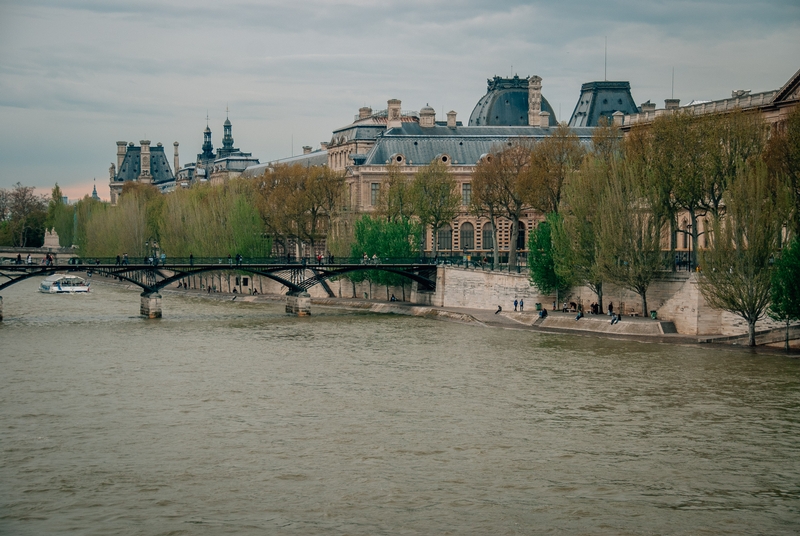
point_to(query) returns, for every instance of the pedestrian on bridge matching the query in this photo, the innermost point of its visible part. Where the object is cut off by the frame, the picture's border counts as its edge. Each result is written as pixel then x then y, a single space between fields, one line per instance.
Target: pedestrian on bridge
pixel 191 259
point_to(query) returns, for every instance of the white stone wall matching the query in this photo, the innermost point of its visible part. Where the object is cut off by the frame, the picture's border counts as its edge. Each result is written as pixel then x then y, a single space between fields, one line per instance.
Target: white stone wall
pixel 674 296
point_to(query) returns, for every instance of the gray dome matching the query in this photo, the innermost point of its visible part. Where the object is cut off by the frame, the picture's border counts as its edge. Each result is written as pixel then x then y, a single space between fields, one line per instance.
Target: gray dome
pixel 506 104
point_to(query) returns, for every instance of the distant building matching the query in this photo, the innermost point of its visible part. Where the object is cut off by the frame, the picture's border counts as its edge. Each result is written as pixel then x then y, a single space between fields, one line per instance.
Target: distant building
pixel 143 164
pixel 227 163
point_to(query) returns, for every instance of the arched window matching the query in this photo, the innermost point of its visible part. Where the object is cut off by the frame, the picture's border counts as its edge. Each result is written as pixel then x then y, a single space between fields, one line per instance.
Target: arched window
pixel 445 237
pixel 488 236
pixel 467 236
pixel 684 234
pixel 521 244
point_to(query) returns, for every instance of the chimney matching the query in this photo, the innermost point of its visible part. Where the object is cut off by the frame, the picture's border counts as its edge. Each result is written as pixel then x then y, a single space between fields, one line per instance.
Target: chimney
pixel 427 117
pixel 648 107
pixel 451 119
pixel 364 112
pixel 306 149
pixel 535 101
pixel 618 118
pixel 144 174
pixel 544 119
pixel 176 160
pixel 672 104
pixel 393 109
pixel 323 145
pixel 120 153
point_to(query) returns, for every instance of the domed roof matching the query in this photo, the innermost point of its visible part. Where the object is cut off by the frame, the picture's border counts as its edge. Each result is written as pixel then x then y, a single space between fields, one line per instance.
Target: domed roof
pixel 506 104
pixel 227 122
pixel 427 109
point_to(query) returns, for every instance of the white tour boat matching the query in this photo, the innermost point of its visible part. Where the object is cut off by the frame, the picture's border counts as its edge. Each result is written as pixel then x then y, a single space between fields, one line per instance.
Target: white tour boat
pixel 64 284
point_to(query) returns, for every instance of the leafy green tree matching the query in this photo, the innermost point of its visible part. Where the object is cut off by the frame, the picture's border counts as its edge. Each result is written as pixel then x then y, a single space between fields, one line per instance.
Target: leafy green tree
pixel 434 197
pixel 576 242
pixel 736 267
pixel 541 262
pixel 60 217
pixel 629 229
pixel 387 240
pixel 783 159
pixel 785 287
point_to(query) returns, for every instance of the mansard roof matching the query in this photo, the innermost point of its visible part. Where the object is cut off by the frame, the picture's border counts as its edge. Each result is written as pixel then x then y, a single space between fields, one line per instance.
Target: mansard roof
pixel 464 145
pixel 602 99
pixel 316 158
pixel 506 104
pixel 790 90
pixel 131 165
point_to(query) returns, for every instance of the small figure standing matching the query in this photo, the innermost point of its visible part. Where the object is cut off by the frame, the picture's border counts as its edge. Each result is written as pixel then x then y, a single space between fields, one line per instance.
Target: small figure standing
pixel 191 259
pixel 515 304
pixel 610 308
pixel 521 304
pixel 119 261
pixel 125 259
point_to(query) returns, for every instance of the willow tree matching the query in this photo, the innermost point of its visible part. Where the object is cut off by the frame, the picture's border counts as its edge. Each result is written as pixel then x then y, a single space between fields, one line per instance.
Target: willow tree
pixel 60 217
pixel 629 229
pixel 575 240
pixel 737 264
pixel 783 158
pixel 434 197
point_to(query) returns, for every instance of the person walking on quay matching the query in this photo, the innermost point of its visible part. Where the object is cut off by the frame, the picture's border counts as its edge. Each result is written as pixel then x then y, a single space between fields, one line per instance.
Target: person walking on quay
pixel 521 304
pixel 119 261
pixel 610 309
pixel 515 304
pixel 230 260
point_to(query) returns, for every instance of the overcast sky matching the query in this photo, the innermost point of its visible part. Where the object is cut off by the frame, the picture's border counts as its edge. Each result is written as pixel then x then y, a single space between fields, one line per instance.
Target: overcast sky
pixel 78 75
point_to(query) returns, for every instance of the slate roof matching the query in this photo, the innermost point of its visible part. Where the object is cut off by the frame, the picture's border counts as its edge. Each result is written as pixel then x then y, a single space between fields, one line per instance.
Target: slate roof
pixel 316 158
pixel 131 165
pixel 465 145
pixel 602 99
pixel 506 104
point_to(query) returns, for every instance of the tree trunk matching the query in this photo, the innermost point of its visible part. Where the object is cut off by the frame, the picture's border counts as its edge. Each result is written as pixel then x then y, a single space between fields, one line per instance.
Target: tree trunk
pixel 751 332
pixel 693 217
pixel 434 241
pixel 644 302
pixel 786 342
pixel 495 245
pixel 512 244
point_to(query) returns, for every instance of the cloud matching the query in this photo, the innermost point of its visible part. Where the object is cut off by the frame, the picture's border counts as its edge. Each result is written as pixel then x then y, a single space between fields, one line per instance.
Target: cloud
pixel 78 75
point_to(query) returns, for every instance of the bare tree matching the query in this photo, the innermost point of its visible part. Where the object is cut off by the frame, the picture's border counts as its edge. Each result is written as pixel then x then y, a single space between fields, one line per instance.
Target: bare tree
pixel 27 214
pixel 435 199
pixel 551 161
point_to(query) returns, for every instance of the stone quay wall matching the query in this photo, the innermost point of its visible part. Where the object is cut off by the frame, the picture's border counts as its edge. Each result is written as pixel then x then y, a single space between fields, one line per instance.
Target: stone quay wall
pixel 674 296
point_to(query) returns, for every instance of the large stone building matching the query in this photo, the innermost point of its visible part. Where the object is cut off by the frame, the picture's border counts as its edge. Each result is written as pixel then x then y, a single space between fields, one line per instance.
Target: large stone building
pixel 512 109
pixel 143 164
pixel 227 163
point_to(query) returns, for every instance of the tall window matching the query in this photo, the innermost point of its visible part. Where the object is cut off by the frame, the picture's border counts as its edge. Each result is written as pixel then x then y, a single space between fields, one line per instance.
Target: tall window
pixel 467 236
pixel 376 189
pixel 445 236
pixel 521 237
pixel 488 236
pixel 466 194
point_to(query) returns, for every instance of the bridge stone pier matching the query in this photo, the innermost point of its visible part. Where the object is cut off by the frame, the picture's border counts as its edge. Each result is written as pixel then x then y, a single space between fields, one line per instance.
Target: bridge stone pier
pixel 298 303
pixel 151 305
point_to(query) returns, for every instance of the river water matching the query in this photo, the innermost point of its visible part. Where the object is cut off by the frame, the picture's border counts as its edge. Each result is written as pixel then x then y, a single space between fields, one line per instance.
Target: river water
pixel 231 418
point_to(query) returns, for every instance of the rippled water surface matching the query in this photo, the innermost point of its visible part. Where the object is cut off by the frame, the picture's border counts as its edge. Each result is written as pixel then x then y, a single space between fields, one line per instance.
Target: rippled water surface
pixel 227 418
